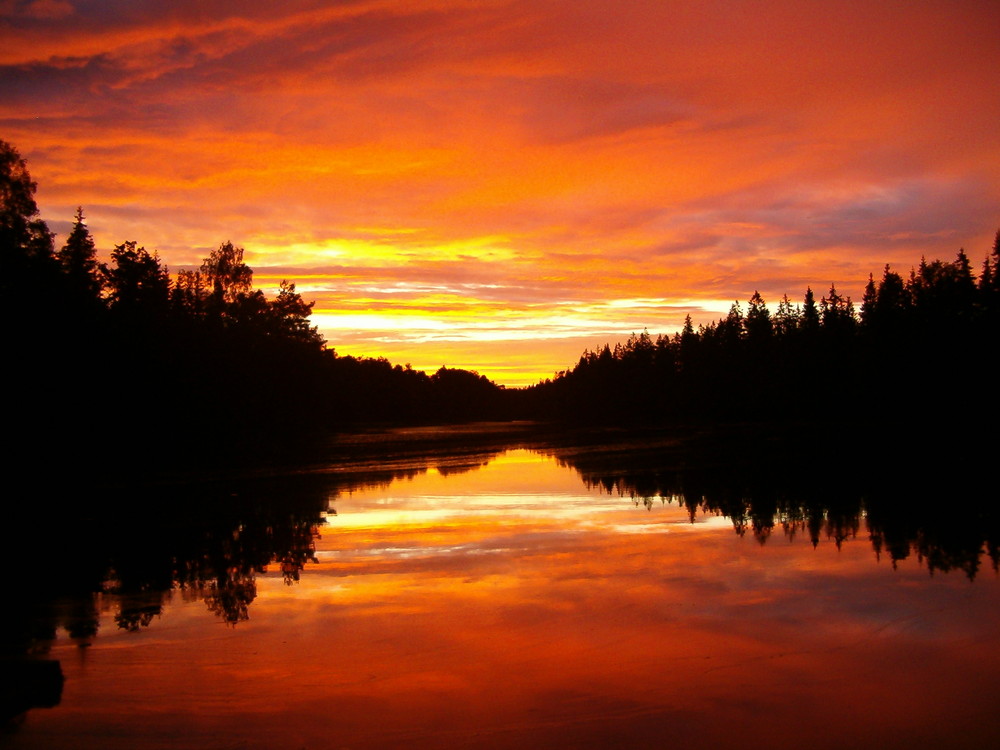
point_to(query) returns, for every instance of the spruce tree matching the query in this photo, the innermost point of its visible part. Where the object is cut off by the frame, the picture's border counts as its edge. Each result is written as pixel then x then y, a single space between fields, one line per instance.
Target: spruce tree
pixel 78 259
pixel 758 321
pixel 810 314
pixel 869 301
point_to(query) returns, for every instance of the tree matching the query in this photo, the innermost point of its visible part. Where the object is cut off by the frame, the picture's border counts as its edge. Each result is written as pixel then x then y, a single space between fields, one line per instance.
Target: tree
pixel 188 295
pixel 869 301
pixel 965 282
pixel 17 199
pixel 941 290
pixel 688 329
pixel 995 258
pixel 986 280
pixel 989 281
pixel 290 314
pixel 639 349
pixel 837 311
pixel 809 320
pixel 786 319
pixel 892 301
pixel 226 274
pixel 26 257
pixel 136 282
pixel 758 322
pixel 731 328
pixel 79 262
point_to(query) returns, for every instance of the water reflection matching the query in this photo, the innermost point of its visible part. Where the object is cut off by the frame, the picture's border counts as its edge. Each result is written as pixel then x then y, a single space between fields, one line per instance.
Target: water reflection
pixel 513 598
pixel 937 509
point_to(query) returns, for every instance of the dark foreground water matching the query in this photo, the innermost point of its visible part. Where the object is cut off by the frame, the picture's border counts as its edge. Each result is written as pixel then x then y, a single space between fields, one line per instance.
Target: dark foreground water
pixel 515 597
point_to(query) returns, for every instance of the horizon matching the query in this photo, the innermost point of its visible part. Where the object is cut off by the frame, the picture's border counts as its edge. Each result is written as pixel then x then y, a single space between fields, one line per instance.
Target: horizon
pixel 499 187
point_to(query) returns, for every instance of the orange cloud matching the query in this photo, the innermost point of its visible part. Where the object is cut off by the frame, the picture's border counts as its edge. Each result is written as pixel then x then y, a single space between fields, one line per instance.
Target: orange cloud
pixel 566 153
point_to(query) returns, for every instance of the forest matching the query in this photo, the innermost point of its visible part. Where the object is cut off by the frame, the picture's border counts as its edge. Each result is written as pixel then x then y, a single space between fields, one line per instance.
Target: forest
pixel 919 351
pixel 124 369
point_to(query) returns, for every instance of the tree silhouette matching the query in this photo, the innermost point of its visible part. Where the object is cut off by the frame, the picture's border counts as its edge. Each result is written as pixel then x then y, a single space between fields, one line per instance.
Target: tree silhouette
pixel 837 312
pixel 226 274
pixel 260 377
pixel 869 300
pixel 78 258
pixel 289 314
pixel 786 318
pixel 809 320
pixel 188 296
pixel 758 322
pixel 892 301
pixel 26 249
pixel 136 283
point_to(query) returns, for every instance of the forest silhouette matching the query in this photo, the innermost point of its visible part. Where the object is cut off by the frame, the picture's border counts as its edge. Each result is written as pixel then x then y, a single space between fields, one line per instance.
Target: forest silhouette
pixel 120 370
pixel 919 353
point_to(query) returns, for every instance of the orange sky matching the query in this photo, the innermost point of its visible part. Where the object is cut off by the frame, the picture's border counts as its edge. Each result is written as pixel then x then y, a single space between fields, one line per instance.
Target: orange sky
pixel 499 184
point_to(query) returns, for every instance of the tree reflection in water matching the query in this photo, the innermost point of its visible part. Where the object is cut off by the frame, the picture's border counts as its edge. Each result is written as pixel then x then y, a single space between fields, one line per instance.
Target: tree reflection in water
pixel 930 502
pixel 131 553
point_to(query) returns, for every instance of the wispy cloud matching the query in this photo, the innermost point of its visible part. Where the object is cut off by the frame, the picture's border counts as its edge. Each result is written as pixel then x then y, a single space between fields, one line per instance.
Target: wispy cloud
pixel 488 157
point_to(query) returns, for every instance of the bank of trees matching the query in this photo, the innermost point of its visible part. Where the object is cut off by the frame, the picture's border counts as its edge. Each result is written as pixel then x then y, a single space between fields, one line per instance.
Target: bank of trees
pixel 917 351
pixel 120 367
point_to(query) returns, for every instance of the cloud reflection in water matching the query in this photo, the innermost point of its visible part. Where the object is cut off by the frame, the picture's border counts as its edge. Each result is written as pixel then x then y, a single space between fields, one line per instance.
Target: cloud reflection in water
pixel 510 606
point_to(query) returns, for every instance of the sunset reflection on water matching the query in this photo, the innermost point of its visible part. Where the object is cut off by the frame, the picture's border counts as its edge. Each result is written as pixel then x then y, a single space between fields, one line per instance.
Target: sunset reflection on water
pixel 510 606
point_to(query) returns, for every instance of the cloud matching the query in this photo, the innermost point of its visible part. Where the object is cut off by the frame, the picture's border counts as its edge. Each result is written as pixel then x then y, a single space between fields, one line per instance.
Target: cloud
pixel 43 10
pixel 513 152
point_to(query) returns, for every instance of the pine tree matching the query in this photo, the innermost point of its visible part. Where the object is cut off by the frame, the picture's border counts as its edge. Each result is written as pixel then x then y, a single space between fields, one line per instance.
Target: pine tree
pixel 892 300
pixel 869 301
pixel 965 283
pixel 688 331
pixel 732 328
pixel 136 282
pixel 996 262
pixel 988 289
pixel 837 311
pixel 758 321
pixel 786 319
pixel 78 259
pixel 987 296
pixel 810 314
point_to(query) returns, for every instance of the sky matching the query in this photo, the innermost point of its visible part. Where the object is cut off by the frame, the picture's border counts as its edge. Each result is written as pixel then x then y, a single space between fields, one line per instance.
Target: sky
pixel 500 184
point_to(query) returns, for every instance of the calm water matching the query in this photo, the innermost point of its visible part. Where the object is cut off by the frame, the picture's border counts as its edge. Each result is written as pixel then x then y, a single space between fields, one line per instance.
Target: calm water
pixel 499 600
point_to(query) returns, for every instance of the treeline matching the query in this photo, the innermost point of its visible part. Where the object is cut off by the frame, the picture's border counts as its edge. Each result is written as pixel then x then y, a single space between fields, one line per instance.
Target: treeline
pixel 121 368
pixel 918 350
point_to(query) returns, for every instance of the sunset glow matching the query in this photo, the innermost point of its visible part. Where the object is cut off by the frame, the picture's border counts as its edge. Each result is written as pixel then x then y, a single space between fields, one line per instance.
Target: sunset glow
pixel 499 185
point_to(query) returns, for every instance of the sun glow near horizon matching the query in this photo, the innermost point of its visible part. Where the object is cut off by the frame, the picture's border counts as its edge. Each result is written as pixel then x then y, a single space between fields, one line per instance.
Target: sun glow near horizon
pixel 515 331
pixel 514 346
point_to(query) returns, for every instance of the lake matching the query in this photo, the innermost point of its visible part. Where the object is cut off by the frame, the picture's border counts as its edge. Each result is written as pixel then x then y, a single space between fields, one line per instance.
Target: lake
pixel 516 595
